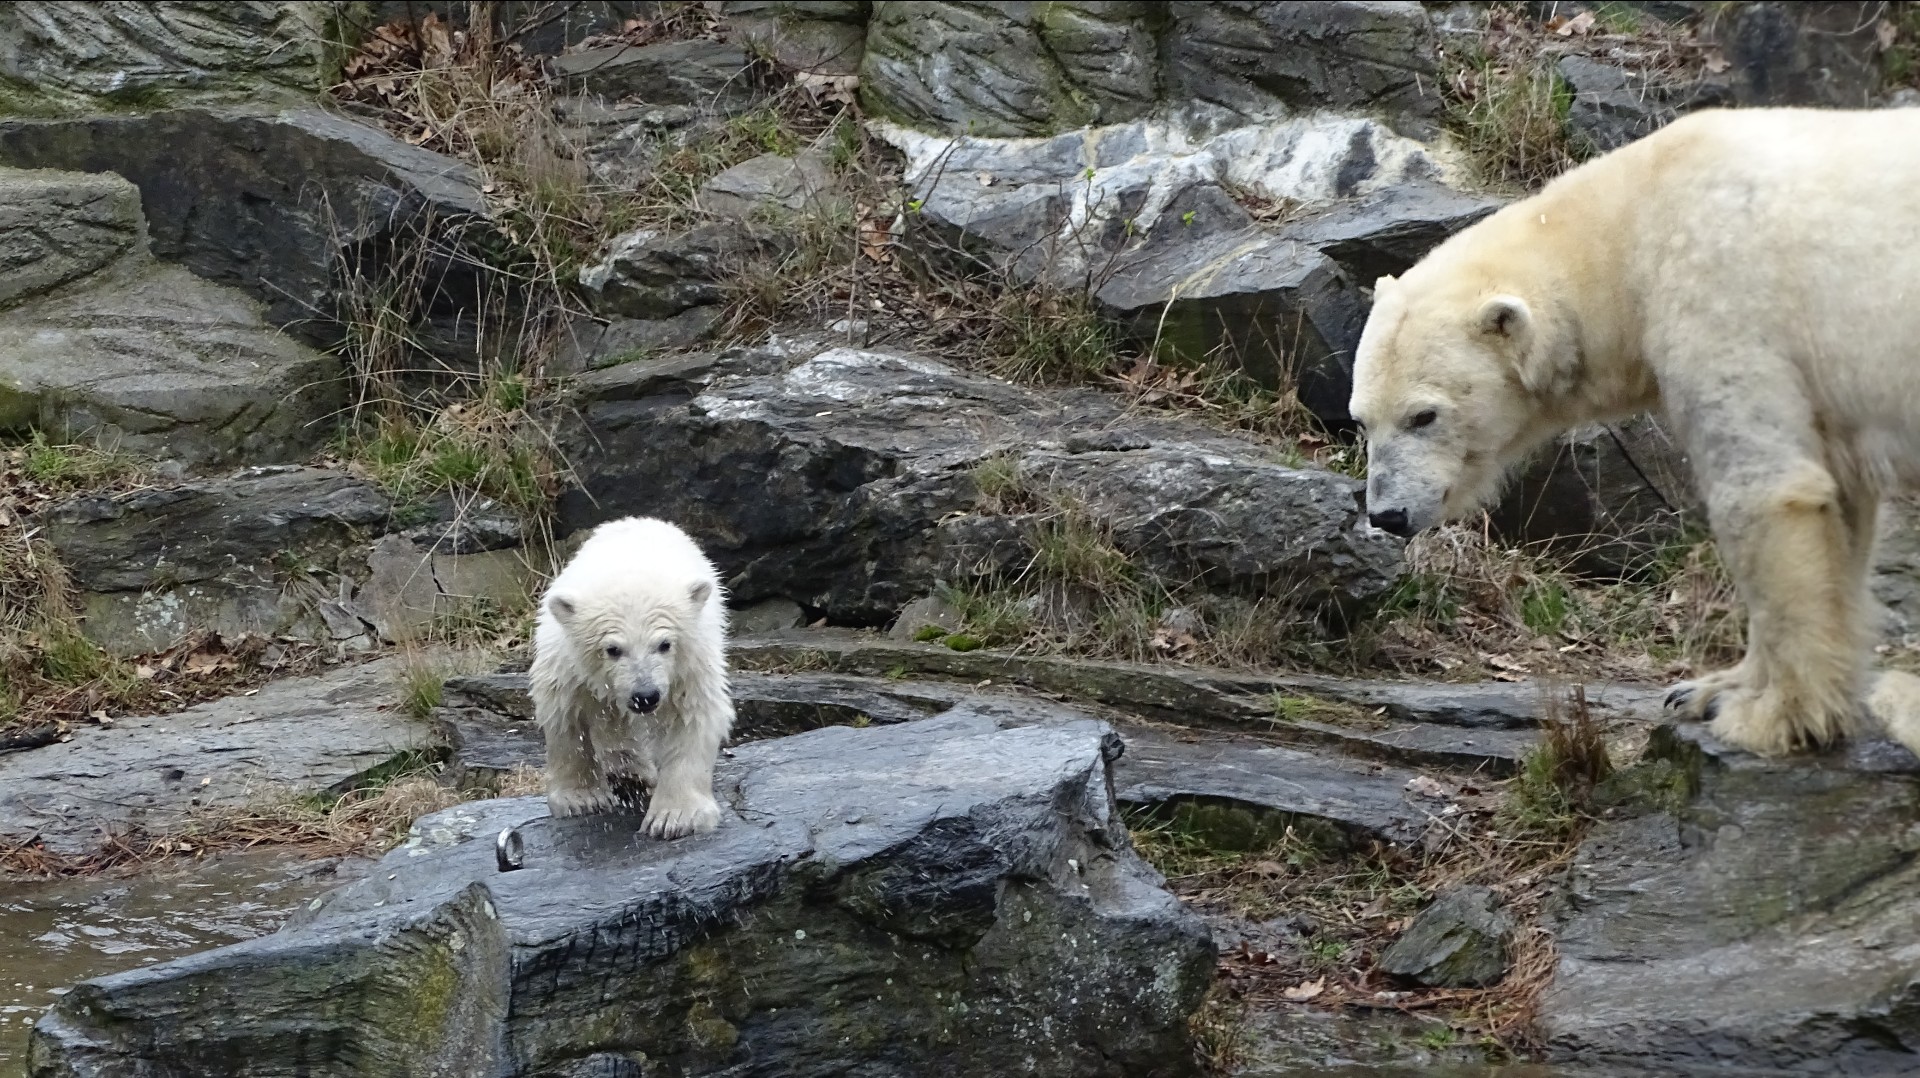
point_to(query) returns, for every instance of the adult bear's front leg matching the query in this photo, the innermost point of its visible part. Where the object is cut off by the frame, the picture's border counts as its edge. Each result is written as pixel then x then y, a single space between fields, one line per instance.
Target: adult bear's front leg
pixel 1785 536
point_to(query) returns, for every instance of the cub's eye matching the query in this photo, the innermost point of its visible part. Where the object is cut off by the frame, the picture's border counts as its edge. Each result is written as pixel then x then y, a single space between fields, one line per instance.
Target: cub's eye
pixel 1424 419
pixel 614 651
pixel 665 646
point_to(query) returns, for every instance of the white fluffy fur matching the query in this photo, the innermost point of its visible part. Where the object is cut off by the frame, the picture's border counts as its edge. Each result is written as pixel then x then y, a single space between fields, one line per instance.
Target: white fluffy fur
pixel 635 586
pixel 1753 274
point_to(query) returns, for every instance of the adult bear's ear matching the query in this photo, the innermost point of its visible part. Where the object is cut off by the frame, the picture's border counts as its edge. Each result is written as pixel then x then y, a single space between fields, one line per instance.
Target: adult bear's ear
pixel 1506 316
pixel 700 592
pixel 562 608
pixel 1542 365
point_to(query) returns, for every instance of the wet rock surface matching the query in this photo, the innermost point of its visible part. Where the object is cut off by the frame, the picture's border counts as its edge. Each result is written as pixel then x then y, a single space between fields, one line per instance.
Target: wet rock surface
pixel 1744 914
pixel 810 908
pixel 303 734
pixel 843 480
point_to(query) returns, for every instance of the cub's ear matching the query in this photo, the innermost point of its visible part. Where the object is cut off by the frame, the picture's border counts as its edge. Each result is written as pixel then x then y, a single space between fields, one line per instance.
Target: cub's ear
pixel 1506 316
pixel 1384 285
pixel 700 592
pixel 562 608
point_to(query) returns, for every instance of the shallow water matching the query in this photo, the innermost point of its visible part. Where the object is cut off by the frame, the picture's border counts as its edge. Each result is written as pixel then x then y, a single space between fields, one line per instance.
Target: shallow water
pixel 57 932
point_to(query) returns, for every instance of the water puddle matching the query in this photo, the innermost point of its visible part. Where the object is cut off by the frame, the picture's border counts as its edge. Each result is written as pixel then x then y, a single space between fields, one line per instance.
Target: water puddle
pixel 57 932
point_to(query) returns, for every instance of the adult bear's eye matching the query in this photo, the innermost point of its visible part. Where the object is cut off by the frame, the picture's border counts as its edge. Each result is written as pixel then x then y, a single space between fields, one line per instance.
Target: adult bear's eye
pixel 1424 419
pixel 666 646
pixel 614 651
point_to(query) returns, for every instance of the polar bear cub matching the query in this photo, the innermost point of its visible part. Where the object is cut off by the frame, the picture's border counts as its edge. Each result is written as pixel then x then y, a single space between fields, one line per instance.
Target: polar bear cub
pixel 629 676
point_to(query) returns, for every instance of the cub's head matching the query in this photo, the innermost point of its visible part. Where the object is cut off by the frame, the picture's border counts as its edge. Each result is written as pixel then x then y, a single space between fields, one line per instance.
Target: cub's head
pixel 1449 382
pixel 632 637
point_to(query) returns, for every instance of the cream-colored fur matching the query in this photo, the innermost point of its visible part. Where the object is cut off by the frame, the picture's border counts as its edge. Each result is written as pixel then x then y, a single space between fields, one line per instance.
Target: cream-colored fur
pixel 629 676
pixel 1755 275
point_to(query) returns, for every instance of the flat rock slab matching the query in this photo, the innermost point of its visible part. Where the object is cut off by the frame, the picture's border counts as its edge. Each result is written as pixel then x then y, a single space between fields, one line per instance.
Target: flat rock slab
pixel 161 362
pixel 1746 916
pixel 57 227
pixel 953 896
pixel 299 735
pixel 1486 727
pixel 487 719
pixel 1366 800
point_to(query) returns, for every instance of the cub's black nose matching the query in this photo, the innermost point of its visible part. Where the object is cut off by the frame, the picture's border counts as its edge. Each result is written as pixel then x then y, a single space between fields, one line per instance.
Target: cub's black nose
pixel 1392 520
pixel 644 702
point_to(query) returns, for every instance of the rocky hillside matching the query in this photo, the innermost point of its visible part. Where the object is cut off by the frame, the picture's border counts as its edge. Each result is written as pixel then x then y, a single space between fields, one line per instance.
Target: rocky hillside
pixel 998 354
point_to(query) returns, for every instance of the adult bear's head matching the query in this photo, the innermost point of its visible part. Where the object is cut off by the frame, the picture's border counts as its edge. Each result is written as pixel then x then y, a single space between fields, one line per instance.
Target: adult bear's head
pixel 1458 376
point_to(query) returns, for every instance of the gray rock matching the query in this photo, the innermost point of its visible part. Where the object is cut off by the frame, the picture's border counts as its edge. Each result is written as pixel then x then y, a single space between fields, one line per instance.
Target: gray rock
pixel 589 344
pixel 1282 311
pixel 654 275
pixel 218 554
pixel 1257 59
pixel 928 611
pixel 273 204
pixel 1822 54
pixel 850 887
pixel 769 182
pixel 1481 728
pixel 1896 568
pixel 57 227
pixel 486 720
pixel 70 54
pixel 301 735
pixel 1362 801
pixel 1139 215
pixel 1010 70
pixel 1385 233
pixel 766 616
pixel 1608 497
pixel 699 72
pixel 1734 914
pixel 163 364
pixel 1461 940
pixel 411 586
pixel 845 483
pixel 1193 515
pixel 535 25
pixel 826 37
pixel 1610 106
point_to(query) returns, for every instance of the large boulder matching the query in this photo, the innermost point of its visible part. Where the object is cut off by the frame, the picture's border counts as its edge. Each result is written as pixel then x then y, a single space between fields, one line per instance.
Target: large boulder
pixel 279 204
pixel 846 480
pixel 1005 70
pixel 63 55
pixel 231 554
pixel 311 553
pixel 1740 915
pixel 1157 220
pixel 858 912
pixel 98 341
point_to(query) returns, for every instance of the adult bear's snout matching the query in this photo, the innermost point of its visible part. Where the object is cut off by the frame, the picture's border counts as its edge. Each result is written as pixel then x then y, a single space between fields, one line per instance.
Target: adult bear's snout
pixel 1392 520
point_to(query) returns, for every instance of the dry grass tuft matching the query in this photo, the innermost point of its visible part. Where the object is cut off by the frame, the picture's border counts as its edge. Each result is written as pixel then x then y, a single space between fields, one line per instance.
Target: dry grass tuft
pixel 1472 607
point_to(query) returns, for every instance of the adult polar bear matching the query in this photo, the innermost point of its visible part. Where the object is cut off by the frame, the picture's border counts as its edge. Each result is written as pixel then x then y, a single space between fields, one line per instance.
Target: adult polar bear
pixel 1756 276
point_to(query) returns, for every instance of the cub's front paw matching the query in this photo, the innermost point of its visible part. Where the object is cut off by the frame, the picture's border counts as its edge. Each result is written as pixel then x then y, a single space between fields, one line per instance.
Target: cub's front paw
pixel 676 818
pixel 581 802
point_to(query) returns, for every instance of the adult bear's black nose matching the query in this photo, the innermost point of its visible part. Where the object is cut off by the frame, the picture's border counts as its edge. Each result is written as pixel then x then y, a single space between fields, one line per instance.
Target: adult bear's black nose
pixel 1391 520
pixel 644 702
